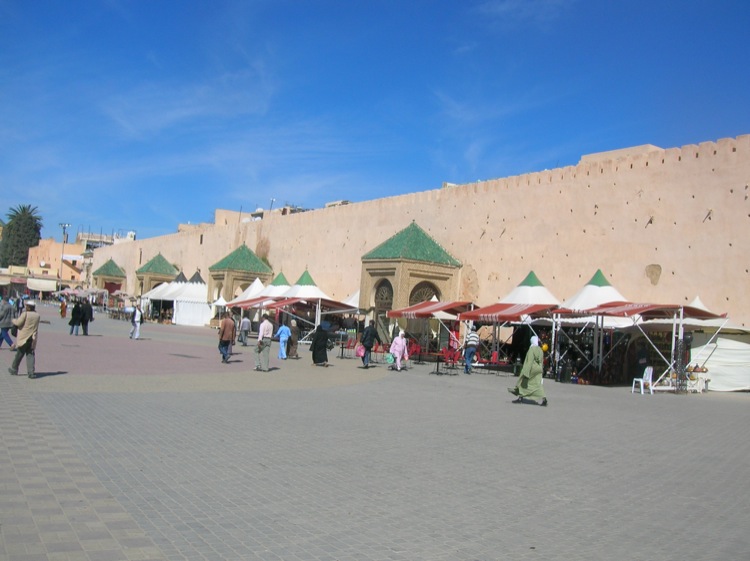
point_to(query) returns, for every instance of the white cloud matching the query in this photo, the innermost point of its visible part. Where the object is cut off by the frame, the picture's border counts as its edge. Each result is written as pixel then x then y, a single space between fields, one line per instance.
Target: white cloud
pixel 539 12
pixel 154 107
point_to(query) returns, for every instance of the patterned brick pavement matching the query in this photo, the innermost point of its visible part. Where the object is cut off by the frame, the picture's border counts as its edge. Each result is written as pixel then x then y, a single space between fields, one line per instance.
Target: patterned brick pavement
pixel 154 450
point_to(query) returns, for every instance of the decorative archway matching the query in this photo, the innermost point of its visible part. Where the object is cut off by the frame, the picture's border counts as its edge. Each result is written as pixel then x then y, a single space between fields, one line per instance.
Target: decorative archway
pixel 383 297
pixel 423 292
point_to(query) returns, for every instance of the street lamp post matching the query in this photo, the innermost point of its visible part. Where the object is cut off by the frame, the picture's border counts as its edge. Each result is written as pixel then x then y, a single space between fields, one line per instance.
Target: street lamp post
pixel 64 227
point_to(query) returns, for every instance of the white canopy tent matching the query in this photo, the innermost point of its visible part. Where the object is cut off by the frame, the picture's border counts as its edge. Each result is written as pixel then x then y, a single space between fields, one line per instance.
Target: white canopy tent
pixel 253 290
pixel 190 301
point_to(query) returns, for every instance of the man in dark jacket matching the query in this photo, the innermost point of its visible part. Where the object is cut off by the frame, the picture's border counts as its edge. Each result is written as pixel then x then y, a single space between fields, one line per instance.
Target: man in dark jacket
pixel 87 315
pixel 369 337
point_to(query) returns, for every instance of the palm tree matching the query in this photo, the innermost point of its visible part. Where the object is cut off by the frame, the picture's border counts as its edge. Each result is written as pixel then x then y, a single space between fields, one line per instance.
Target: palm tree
pixel 22 231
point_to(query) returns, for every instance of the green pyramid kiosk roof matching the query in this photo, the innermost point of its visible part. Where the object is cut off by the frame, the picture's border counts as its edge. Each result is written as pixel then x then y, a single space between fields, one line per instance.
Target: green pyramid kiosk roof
pixel 110 269
pixel 241 259
pixel 415 244
pixel 158 266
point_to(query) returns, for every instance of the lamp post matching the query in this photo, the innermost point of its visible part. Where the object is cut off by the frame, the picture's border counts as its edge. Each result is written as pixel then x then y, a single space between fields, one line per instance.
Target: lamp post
pixel 64 227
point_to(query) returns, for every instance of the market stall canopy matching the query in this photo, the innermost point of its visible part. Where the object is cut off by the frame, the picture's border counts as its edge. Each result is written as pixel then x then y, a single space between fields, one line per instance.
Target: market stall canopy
pixel 257 302
pixel 506 312
pixel 429 309
pixel 653 311
pixel 42 285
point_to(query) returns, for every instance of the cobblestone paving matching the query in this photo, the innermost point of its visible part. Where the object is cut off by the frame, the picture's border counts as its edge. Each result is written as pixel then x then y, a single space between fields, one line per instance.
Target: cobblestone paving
pixel 154 450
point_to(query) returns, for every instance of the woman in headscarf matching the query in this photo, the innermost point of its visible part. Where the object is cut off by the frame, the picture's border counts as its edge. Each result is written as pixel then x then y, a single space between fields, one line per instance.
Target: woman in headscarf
pixel 293 338
pixel 398 349
pixel 530 380
pixel 319 346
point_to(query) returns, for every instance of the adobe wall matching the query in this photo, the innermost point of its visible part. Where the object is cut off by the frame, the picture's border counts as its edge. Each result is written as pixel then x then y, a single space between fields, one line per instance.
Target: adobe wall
pixel 663 226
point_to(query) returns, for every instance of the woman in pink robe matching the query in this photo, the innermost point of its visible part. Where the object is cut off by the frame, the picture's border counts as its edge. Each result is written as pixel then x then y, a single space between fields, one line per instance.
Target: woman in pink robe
pixel 398 349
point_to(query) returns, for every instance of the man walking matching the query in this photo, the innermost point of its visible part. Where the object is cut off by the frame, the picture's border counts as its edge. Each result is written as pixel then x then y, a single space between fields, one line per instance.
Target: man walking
pixel 263 350
pixel 87 315
pixel 244 330
pixel 28 329
pixel 136 319
pixel 6 321
pixel 369 336
pixel 227 334
pixel 470 348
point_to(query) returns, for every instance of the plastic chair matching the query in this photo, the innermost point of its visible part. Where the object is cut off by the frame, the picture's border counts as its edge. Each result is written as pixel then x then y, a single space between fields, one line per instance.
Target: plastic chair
pixel 349 349
pixel 645 381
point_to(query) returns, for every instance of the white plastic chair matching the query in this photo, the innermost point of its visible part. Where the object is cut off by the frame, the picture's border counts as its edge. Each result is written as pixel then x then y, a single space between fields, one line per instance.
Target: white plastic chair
pixel 648 374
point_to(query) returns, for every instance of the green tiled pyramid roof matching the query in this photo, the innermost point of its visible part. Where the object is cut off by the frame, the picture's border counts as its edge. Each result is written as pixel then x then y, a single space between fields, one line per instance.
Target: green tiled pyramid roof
pixel 110 269
pixel 414 244
pixel 241 259
pixel 158 266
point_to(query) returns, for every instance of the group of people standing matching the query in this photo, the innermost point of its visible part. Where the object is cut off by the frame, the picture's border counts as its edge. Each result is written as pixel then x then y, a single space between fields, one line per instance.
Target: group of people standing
pixel 288 336
pixel 81 315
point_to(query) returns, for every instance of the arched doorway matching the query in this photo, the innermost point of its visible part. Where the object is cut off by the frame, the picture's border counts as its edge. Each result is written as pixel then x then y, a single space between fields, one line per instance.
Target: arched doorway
pixel 383 304
pixel 423 292
pixel 419 328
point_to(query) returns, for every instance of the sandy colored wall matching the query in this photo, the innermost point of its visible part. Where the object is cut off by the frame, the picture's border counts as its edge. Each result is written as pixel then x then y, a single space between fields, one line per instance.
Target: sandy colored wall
pixel 663 226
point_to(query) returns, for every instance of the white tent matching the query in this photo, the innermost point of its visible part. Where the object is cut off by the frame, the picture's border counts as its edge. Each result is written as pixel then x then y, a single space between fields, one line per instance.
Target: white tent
pixel 276 288
pixel 530 291
pixel 595 293
pixel 353 300
pixel 305 290
pixel 191 305
pixel 190 301
pixel 728 364
pixel 157 292
pixel 255 288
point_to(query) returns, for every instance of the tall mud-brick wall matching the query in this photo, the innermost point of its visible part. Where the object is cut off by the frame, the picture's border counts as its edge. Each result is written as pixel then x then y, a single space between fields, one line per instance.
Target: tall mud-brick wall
pixel 664 226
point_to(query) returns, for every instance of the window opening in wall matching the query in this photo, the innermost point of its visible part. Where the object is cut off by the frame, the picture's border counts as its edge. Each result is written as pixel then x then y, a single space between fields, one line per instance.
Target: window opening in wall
pixel 201 242
pixel 140 256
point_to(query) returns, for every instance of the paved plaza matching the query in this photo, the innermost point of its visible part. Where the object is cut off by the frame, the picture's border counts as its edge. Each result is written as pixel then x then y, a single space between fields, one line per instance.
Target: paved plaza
pixel 155 450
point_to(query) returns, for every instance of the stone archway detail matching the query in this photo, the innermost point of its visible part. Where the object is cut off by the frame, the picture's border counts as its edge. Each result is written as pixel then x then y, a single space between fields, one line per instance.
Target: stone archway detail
pixel 383 297
pixel 423 292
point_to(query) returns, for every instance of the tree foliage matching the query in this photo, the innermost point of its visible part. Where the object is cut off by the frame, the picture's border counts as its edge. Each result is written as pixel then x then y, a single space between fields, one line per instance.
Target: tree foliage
pixel 22 231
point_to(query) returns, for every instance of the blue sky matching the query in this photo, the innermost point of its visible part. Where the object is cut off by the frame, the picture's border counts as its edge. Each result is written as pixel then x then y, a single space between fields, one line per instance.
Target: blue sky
pixel 121 115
